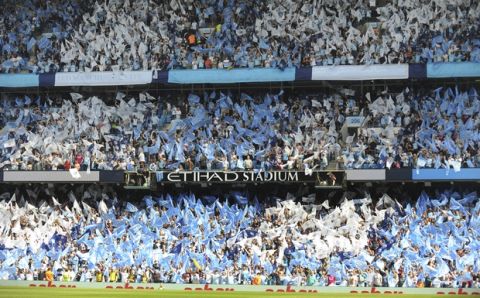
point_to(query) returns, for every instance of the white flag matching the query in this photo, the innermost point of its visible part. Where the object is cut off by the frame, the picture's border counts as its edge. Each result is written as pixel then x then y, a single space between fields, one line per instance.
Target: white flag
pixel 75 174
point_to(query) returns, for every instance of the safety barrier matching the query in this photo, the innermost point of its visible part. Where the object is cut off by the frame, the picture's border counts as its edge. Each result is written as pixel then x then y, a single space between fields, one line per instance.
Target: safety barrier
pixel 325 178
pixel 246 75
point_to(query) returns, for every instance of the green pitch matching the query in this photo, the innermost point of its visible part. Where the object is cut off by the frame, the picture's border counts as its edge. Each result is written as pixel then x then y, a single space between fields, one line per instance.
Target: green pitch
pixel 17 292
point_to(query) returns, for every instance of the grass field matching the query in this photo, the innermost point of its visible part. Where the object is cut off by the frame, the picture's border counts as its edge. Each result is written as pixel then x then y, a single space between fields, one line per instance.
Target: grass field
pixel 17 292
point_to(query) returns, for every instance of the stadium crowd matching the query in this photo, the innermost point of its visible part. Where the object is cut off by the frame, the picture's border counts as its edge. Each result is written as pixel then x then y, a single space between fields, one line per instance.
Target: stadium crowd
pixel 140 35
pixel 433 129
pixel 89 235
pixel 94 234
pixel 225 131
pixel 215 131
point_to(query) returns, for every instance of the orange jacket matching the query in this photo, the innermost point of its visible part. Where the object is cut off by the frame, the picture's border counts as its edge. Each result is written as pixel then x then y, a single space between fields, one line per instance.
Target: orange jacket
pixel 257 280
pixel 49 275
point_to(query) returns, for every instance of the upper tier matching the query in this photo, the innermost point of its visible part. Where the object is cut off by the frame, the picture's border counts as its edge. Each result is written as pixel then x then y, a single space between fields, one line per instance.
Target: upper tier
pixel 76 36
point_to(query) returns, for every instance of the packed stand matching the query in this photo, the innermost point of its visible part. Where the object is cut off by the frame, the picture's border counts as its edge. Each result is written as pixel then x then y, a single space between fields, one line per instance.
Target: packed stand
pixel 32 32
pixel 143 35
pixel 224 131
pixel 216 131
pixel 91 236
pixel 419 129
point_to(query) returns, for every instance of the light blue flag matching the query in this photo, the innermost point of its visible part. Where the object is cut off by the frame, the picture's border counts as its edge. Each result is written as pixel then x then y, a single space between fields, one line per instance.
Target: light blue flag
pixel 172 211
pixel 169 201
pixel 455 205
pixel 193 99
pixel 148 201
pixel 244 96
pixel 44 43
pixel 422 203
pixel 443 202
pixel 131 208
pixel 240 198
pixel 31 43
pixel 263 45
pixel 469 199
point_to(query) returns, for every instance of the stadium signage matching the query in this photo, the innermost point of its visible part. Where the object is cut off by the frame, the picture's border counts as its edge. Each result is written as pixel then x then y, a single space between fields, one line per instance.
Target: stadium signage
pixel 289 289
pixel 418 292
pixel 375 291
pixel 208 288
pixel 460 291
pixel 227 176
pixel 52 285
